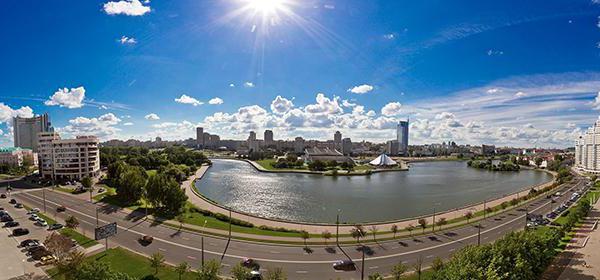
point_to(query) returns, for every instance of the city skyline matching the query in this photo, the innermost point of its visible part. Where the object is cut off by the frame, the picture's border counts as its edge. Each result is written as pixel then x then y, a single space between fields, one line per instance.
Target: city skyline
pixel 315 68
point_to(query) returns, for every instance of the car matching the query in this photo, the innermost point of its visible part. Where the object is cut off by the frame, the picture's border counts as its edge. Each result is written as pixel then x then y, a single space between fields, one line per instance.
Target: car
pixel 38 255
pixel 345 265
pixel 34 211
pixel 3 195
pixel 557 194
pixel 146 240
pixel 11 224
pixel 255 275
pixel 46 260
pixel 20 231
pixel 12 201
pixel 61 208
pixel 18 205
pixel 34 248
pixel 41 223
pixel 6 218
pixel 29 242
pixel 1 208
pixel 251 264
pixel 55 226
pixel 34 217
pixel 551 215
pixel 3 213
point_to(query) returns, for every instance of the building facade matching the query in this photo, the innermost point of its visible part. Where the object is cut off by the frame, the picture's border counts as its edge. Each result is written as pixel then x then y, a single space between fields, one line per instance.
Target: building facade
pixel 68 158
pixel 26 131
pixel 391 147
pixel 402 137
pixel 347 146
pixel 17 156
pixel 268 137
pixel 587 150
pixel 200 137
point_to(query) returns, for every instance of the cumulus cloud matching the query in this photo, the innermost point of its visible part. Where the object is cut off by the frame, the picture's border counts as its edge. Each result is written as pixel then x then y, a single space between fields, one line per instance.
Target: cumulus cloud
pixel 128 124
pixel 102 126
pixel 126 7
pixel 127 40
pixel 152 117
pixel 520 94
pixel 70 98
pixel 389 36
pixel 493 90
pixel 391 109
pixel 7 113
pixel 362 89
pixel 231 85
pixel 596 103
pixel 249 84
pixel 347 103
pixel 281 105
pixel 215 101
pixel 185 99
pixel 444 116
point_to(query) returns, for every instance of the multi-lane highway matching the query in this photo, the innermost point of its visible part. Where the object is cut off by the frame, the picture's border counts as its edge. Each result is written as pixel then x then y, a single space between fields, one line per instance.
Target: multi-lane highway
pixel 297 262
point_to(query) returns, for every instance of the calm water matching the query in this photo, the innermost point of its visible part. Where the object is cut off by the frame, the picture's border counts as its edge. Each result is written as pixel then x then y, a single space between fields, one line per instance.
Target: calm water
pixel 379 197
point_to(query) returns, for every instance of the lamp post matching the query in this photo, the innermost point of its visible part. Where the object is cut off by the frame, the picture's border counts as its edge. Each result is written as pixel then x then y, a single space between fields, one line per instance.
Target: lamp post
pixel 337 228
pixel 202 242
pixel 229 223
pixel 479 234
pixel 362 270
pixel 433 223
pixel 484 209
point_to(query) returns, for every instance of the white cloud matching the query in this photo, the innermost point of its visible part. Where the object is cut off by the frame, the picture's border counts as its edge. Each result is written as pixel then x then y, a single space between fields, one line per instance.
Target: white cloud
pixel 362 89
pixel 329 6
pixel 596 103
pixel 128 124
pixel 101 127
pixel 185 99
pixel 127 40
pixel 390 36
pixel 248 84
pixel 520 94
pixel 7 113
pixel 493 90
pixel 494 52
pixel 152 117
pixel 64 97
pixel 281 105
pixel 126 7
pixel 444 116
pixel 347 103
pixel 231 85
pixel 215 101
pixel 391 109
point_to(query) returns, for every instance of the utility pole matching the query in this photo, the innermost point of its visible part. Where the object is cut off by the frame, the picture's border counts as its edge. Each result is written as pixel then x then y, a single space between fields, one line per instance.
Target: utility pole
pixel 433 224
pixel 202 240
pixel 229 223
pixel 362 270
pixel 479 234
pixel 337 228
pixel 44 195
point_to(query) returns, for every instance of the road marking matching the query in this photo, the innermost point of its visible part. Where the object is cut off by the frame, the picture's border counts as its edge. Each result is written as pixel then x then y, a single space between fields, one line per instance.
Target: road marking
pixel 185 238
pixel 161 249
pixel 226 265
pixel 301 271
pixel 485 238
pixel 212 244
pixel 430 256
pixel 191 258
pixel 395 247
pixel 273 252
pixel 452 250
pixel 373 267
pixel 520 217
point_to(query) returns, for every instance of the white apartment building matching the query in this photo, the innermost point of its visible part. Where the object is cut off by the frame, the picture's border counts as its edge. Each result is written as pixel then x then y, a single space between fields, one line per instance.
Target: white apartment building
pixel 17 156
pixel 587 150
pixel 68 158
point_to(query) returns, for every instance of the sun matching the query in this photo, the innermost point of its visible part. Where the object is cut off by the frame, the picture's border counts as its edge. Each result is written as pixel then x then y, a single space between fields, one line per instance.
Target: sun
pixel 266 7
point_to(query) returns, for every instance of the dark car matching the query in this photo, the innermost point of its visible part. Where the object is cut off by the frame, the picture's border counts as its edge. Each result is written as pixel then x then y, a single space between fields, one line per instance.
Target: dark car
pixel 251 264
pixel 3 195
pixel 20 231
pixel 1 208
pixel 12 201
pixel 55 226
pixel 345 265
pixel 38 255
pixel 29 242
pixel 6 218
pixel 11 224
pixel 61 208
pixel 35 247
pixel 18 205
pixel 146 240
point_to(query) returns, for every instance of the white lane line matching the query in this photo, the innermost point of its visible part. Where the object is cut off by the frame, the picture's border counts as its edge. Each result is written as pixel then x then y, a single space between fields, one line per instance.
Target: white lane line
pixel 273 252
pixel 161 249
pixel 395 247
pixel 301 271
pixel 298 261
pixel 485 238
pixel 430 256
pixel 373 267
pixel 226 265
pixel 212 244
pixel 452 250
pixel 185 238
pixel 191 258
pixel 404 261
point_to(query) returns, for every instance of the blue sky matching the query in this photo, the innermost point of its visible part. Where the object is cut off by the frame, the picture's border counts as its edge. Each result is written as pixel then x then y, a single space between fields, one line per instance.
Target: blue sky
pixel 524 73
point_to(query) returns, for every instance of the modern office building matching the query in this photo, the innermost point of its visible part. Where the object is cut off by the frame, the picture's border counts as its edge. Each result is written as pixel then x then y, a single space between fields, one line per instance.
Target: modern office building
pixel 402 137
pixel 587 150
pixel 17 156
pixel 268 137
pixel 391 147
pixel 346 146
pixel 68 158
pixel 299 145
pixel 488 150
pixel 200 137
pixel 252 136
pixel 26 131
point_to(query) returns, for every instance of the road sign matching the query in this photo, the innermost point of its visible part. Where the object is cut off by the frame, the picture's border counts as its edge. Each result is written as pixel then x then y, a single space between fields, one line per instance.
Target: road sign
pixel 105 231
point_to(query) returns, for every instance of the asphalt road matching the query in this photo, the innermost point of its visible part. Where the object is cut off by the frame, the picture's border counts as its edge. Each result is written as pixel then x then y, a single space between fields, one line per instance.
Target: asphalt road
pixel 296 261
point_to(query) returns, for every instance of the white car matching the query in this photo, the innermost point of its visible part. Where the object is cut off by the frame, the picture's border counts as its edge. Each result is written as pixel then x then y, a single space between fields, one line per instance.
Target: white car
pixel 41 223
pixel 34 217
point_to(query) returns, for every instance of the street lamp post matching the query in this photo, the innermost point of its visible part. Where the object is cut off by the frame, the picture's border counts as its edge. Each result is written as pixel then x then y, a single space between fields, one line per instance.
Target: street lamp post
pixel 362 270
pixel 229 223
pixel 202 242
pixel 44 195
pixel 433 223
pixel 479 234
pixel 337 228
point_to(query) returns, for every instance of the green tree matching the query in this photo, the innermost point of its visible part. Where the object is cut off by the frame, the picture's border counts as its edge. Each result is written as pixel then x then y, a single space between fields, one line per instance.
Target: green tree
pixel 239 272
pixel 398 270
pixel 131 185
pixel 374 231
pixel 72 222
pixel 376 276
pixel 210 271
pixel 182 269
pixel 87 182
pixel 69 265
pixel 157 260
pixel 442 222
pixel 437 264
pixel 394 229
pixel 409 228
pixel 418 266
pixel 326 235
pixel 358 232
pixel 305 236
pixel 275 274
pixel 468 216
pixel 164 193
pixel 98 270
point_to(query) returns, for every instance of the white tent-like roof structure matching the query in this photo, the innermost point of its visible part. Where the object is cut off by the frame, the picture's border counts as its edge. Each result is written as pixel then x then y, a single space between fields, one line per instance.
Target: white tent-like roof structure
pixel 383 160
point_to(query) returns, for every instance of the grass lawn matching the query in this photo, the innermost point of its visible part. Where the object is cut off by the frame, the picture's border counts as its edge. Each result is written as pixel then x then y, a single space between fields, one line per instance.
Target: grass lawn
pixel 80 238
pixel 266 164
pixel 132 264
pixel 151 172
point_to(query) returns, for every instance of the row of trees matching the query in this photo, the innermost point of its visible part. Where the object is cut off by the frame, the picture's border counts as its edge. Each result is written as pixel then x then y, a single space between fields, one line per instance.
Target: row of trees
pixel 319 165
pixel 489 165
pixel 153 159
pixel 162 190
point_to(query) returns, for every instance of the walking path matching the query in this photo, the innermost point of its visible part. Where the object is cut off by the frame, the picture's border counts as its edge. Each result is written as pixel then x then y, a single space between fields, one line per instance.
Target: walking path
pixel 582 259
pixel 316 228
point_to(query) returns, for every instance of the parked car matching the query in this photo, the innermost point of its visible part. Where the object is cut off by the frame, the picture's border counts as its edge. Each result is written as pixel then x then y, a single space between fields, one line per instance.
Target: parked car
pixel 61 208
pixel 33 217
pixel 146 240
pixel 55 226
pixel 255 275
pixel 12 201
pixel 34 248
pixel 3 195
pixel 18 205
pixel 345 265
pixel 41 222
pixel 251 264
pixel 29 242
pixel 11 224
pixel 34 211
pixel 47 260
pixel 38 255
pixel 20 231
pixel 6 218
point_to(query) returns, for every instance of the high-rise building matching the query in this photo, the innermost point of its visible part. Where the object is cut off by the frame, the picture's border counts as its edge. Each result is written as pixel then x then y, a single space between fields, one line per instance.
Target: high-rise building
pixel 299 145
pixel 200 137
pixel 68 158
pixel 587 150
pixel 346 146
pixel 391 147
pixel 268 137
pixel 26 131
pixel 337 137
pixel 402 137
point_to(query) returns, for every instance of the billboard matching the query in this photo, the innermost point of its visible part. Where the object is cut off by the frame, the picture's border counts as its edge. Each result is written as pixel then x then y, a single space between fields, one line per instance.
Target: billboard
pixel 105 231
